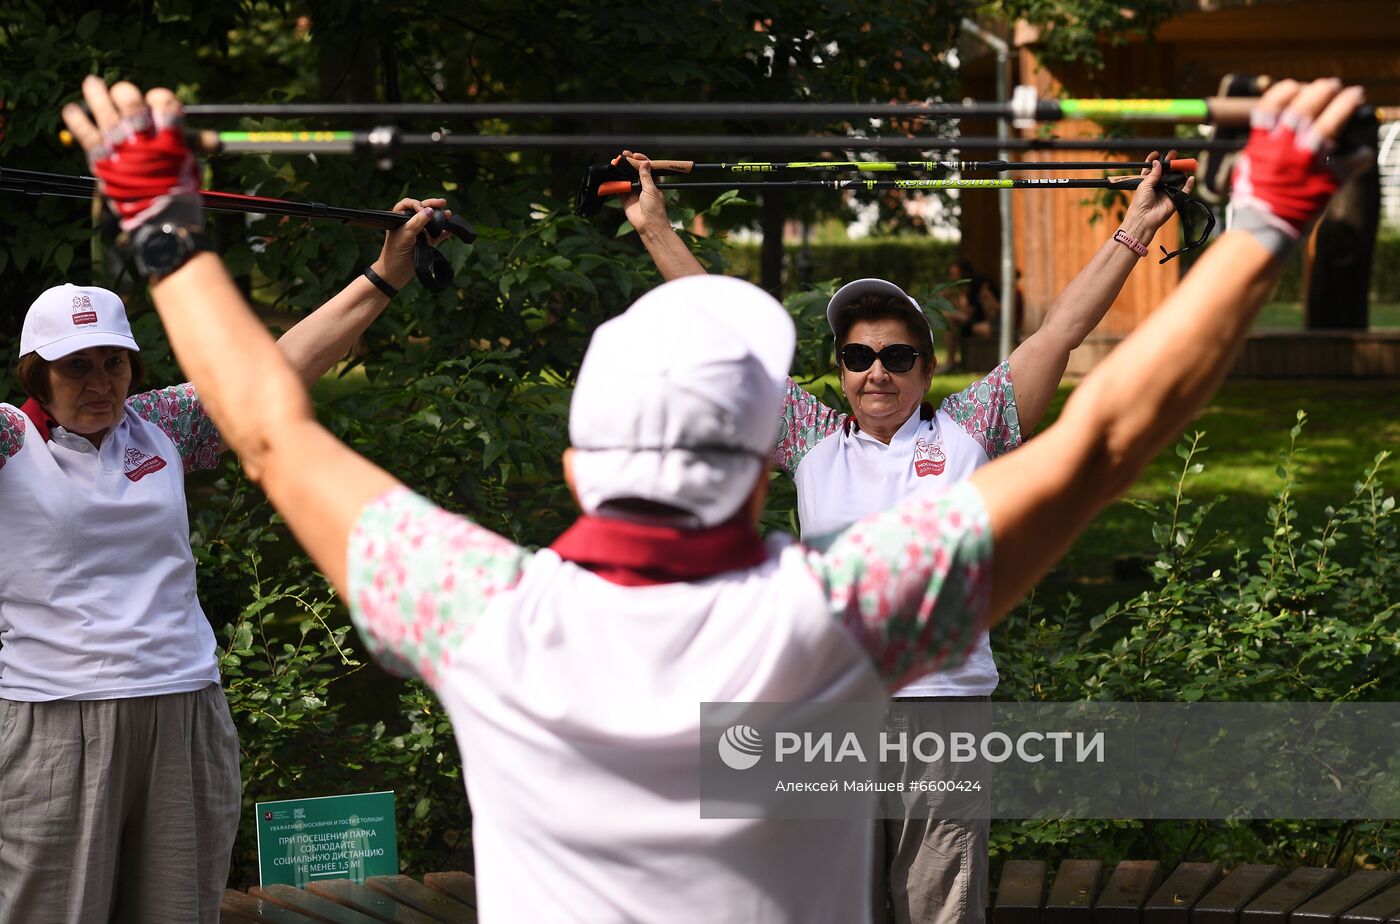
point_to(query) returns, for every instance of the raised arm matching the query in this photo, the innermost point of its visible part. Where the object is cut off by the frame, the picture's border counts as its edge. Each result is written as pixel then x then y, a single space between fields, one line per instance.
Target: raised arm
pixel 647 212
pixel 1135 402
pixel 245 383
pixel 325 336
pixel 1038 364
pixel 916 583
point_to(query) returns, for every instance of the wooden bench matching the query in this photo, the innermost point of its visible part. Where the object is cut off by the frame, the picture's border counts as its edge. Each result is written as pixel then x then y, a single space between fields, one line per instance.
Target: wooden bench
pixel 1142 892
pixel 441 898
pixel 1081 892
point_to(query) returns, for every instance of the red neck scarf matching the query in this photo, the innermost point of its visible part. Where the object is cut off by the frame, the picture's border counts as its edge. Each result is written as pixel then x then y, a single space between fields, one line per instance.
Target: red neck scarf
pixel 640 555
pixel 43 423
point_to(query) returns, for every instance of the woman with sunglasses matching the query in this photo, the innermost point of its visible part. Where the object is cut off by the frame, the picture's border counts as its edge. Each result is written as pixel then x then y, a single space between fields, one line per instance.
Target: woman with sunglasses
pixel 893 444
pixel 119 776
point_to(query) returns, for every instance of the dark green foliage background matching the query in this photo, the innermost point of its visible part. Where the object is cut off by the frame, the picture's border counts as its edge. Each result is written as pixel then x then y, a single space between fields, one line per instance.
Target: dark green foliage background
pixel 464 394
pixel 924 262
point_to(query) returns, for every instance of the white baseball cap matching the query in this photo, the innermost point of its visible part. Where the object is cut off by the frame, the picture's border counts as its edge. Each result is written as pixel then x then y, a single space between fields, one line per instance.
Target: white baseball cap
pixel 853 291
pixel 678 399
pixel 69 318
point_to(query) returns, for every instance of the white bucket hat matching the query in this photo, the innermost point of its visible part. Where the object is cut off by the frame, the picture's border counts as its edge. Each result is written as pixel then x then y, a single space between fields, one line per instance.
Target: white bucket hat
pixel 678 398
pixel 69 318
pixel 853 291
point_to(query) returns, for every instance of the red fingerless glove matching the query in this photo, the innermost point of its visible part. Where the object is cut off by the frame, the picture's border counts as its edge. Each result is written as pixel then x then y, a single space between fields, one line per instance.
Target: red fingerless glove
pixel 144 168
pixel 1281 182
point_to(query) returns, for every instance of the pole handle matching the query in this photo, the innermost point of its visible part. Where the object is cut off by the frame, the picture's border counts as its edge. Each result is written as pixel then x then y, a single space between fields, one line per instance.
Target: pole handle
pixel 665 166
pixel 1182 164
pixel 204 142
pixel 1230 110
pixel 457 226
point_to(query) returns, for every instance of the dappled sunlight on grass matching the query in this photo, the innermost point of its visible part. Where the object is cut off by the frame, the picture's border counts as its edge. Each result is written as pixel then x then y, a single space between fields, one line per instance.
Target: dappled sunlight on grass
pixel 1289 316
pixel 1246 427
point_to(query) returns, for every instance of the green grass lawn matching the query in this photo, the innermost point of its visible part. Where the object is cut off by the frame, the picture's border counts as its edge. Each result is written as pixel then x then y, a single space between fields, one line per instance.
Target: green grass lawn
pixel 1289 316
pixel 1246 427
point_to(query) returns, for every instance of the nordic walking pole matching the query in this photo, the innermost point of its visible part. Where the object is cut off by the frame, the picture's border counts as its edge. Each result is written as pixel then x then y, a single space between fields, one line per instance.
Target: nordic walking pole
pixel 385 142
pixel 690 167
pixel 591 196
pixel 1025 106
pixel 36 183
pixel 597 187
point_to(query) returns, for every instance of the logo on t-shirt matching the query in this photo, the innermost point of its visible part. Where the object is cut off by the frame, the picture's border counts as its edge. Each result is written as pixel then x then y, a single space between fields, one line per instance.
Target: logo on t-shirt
pixel 139 465
pixel 82 311
pixel 928 458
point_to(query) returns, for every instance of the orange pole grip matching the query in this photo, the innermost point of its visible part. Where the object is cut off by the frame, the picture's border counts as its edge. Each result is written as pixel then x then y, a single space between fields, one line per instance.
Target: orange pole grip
pixel 614 188
pixel 1184 164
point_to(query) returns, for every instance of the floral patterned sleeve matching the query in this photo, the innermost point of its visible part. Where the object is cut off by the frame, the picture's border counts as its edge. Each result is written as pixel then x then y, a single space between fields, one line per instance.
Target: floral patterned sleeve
pixel 986 409
pixel 11 433
pixel 913 583
pixel 803 424
pixel 421 577
pixel 179 413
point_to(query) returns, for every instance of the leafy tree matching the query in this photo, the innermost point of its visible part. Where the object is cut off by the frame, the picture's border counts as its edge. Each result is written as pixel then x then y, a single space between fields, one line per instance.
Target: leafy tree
pixel 1076 30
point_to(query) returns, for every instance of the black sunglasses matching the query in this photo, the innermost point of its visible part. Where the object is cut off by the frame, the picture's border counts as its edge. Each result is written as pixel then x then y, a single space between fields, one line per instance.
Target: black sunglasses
pixel 897 357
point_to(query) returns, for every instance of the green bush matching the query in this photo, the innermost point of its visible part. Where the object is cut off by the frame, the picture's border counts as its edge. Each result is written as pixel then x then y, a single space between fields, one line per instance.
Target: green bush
pixel 912 262
pixel 1291 617
pixel 1385 271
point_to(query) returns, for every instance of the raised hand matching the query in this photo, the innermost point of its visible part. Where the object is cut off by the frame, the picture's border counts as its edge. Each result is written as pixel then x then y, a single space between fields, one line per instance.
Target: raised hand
pixel 646 210
pixel 1284 179
pixel 1151 206
pixel 395 263
pixel 137 148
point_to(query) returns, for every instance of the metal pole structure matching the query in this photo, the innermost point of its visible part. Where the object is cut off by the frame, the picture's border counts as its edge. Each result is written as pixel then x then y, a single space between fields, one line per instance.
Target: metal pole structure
pixel 1008 269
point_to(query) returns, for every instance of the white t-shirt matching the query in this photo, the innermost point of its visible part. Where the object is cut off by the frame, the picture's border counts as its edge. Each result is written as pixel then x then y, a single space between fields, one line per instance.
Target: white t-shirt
pixel 576 701
pixel 98 597
pixel 843 474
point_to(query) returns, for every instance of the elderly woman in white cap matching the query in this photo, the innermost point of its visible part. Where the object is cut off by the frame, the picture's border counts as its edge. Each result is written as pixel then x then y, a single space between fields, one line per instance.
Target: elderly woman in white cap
pixel 119 777
pixel 573 675
pixel 894 444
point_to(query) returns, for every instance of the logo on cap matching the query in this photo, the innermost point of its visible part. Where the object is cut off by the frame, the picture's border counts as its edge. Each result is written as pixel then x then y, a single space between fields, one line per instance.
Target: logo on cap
pixel 82 311
pixel 928 458
pixel 139 465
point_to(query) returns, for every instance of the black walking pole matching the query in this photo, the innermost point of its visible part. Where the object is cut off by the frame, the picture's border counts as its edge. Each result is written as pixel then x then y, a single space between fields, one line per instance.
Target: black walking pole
pixel 751 168
pixel 597 186
pixel 36 183
pixel 430 266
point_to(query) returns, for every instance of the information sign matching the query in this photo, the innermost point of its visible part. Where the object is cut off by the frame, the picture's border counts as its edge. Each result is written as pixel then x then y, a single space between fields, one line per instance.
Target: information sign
pixel 330 837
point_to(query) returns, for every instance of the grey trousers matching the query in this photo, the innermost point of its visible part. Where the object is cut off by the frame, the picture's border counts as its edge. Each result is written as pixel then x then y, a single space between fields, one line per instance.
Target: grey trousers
pixel 117 809
pixel 931 866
